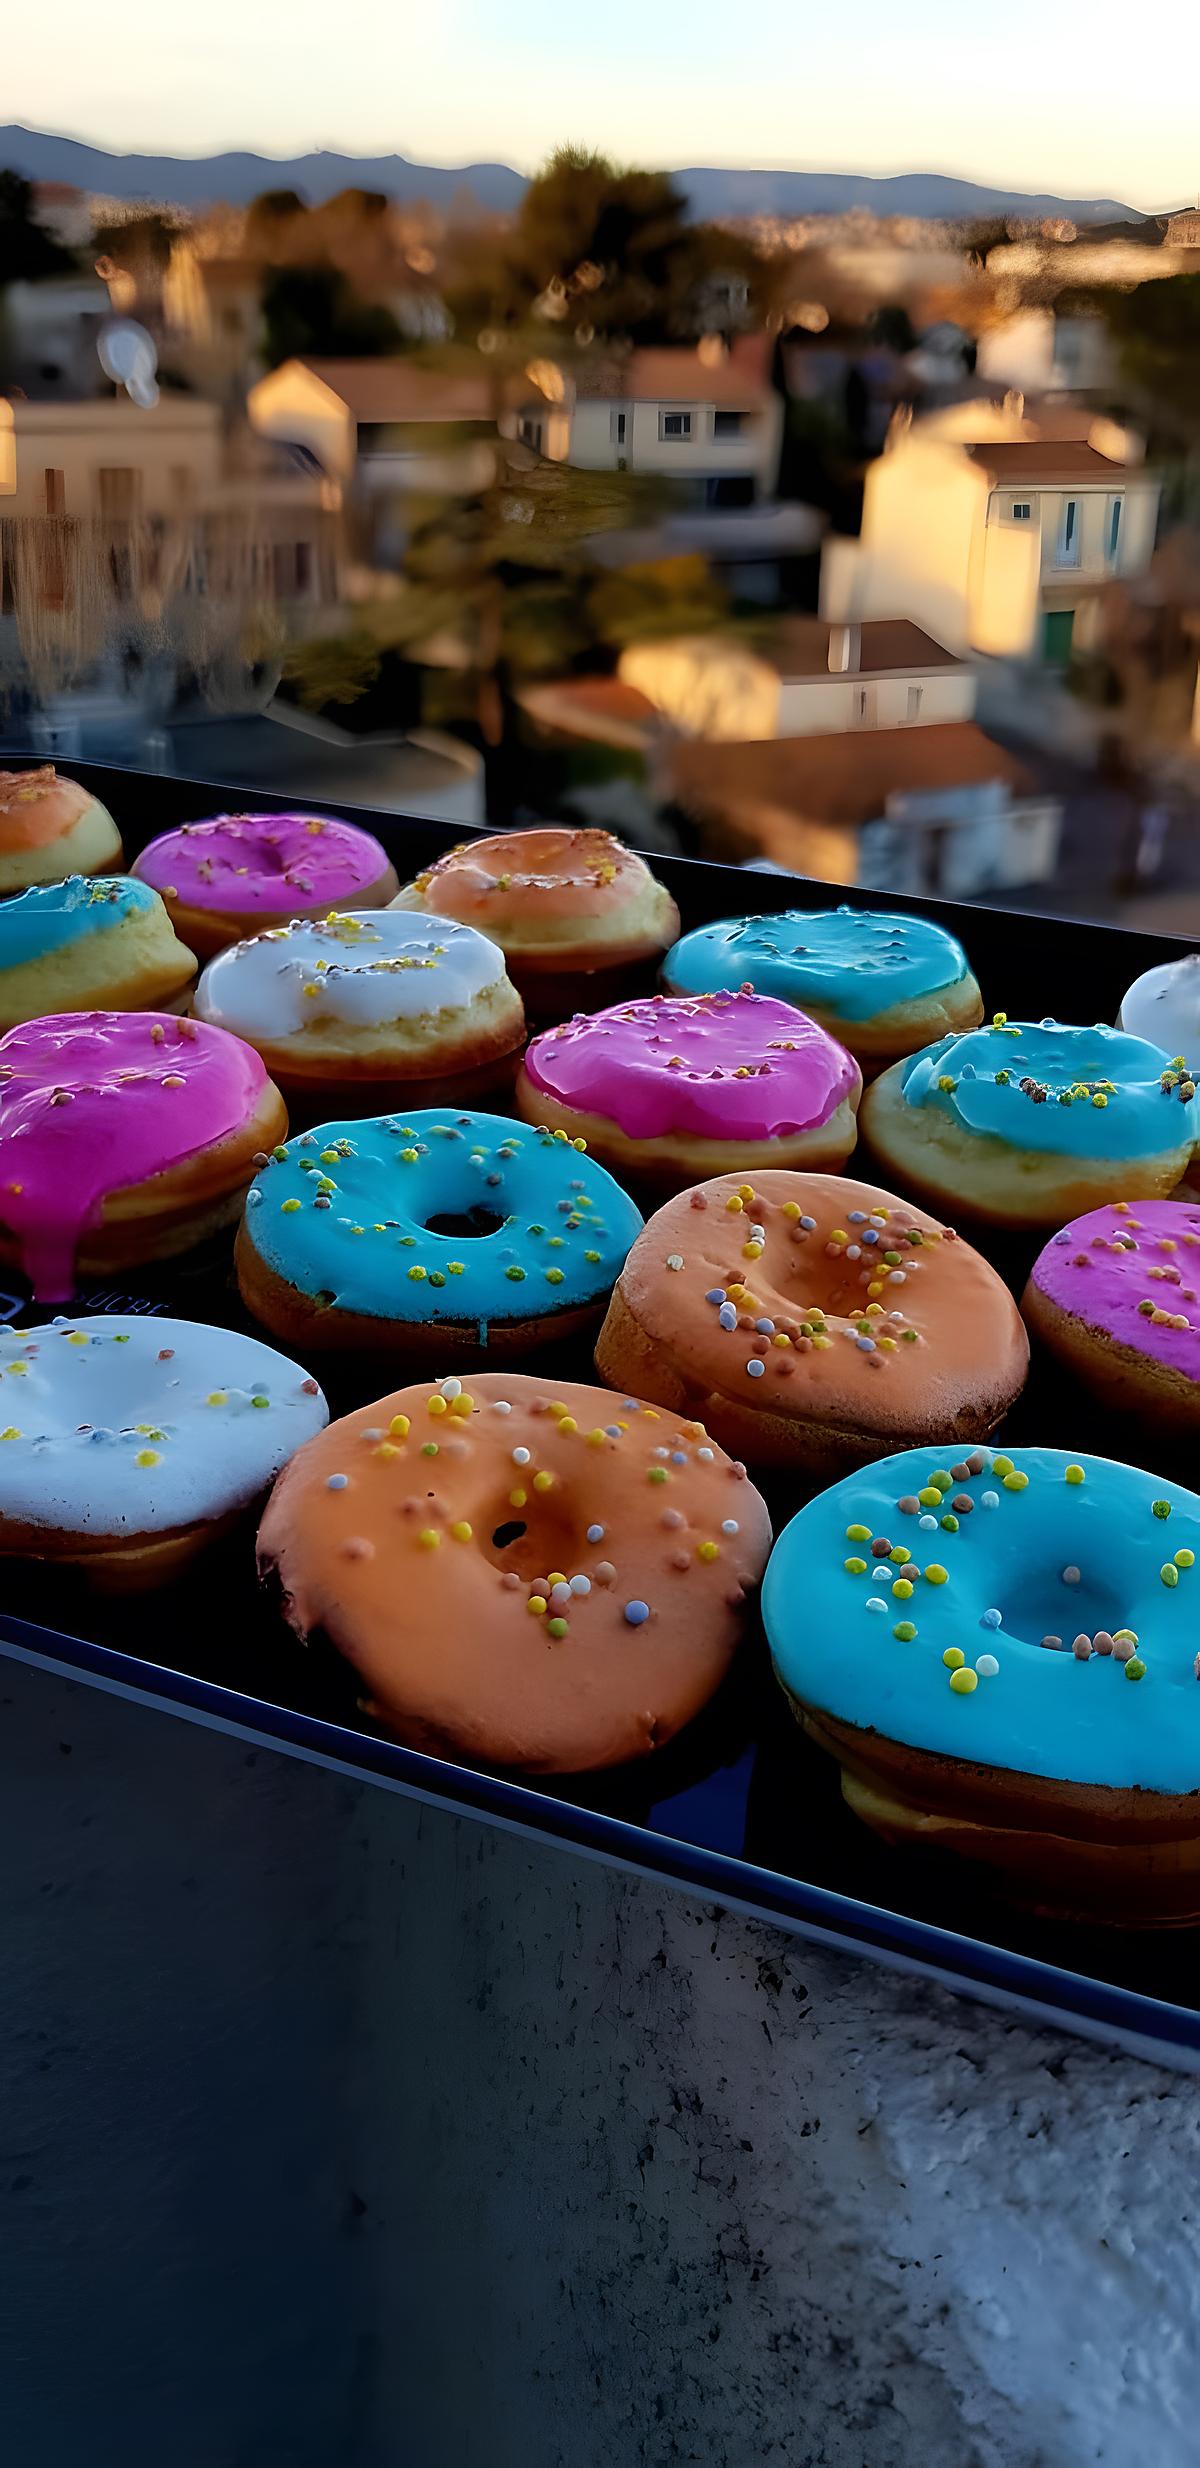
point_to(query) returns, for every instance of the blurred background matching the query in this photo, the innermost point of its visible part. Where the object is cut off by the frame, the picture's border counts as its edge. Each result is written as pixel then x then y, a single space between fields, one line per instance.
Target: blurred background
pixel 844 520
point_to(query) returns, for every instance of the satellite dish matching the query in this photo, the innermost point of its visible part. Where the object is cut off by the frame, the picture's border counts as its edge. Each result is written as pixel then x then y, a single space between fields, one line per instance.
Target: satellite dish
pixel 127 354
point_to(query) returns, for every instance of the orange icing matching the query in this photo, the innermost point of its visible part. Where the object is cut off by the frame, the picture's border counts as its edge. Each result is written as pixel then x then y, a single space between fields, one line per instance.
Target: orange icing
pixel 884 1331
pixel 412 1536
pixel 550 875
pixel 36 806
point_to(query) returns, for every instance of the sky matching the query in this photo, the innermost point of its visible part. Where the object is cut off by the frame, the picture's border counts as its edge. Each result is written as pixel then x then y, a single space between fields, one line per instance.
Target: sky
pixel 1026 95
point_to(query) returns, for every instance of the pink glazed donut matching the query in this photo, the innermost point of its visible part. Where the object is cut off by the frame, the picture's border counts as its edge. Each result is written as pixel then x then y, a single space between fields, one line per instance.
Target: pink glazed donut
pixel 240 873
pixel 125 1136
pixel 681 1087
pixel 1116 1296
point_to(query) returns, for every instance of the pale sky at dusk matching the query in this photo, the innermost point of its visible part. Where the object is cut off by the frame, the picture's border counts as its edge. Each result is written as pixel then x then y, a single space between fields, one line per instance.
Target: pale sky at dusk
pixel 1023 95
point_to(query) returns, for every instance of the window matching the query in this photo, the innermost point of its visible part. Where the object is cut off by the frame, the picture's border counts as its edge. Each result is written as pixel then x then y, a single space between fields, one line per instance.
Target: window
pixel 675 424
pixel 118 494
pixel 1114 528
pixel 1022 513
pixel 729 423
pixel 1068 538
pixel 619 420
pixel 54 489
pixel 530 433
pixel 914 704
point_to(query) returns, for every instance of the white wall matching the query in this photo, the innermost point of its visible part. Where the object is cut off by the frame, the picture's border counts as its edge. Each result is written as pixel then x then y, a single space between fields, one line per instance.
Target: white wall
pixel 828 706
pixel 924 505
pixel 296 408
pixel 708 687
pixel 754 454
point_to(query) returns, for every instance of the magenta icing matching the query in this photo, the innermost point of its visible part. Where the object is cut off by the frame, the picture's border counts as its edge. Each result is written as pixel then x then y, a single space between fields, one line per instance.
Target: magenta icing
pixel 709 1066
pixel 91 1101
pixel 260 864
pixel 1103 1266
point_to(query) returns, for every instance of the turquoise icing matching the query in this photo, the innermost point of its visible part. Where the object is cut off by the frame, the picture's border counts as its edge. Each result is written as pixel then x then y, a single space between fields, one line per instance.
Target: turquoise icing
pixel 851 962
pixel 1043 1712
pixel 976 1080
pixel 39 922
pixel 366 1191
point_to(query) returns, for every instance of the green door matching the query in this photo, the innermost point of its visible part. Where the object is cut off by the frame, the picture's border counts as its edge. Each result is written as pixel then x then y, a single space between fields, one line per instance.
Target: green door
pixel 1057 629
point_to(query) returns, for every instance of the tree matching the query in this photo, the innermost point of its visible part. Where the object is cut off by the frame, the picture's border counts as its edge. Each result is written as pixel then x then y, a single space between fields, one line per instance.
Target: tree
pixel 314 312
pixel 599 250
pixel 1156 329
pixel 27 253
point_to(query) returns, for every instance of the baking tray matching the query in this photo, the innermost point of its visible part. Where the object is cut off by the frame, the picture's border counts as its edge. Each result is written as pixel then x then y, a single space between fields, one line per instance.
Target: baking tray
pixel 741 1809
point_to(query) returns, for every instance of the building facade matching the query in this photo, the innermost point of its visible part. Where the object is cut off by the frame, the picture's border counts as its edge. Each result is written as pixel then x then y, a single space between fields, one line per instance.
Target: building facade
pixel 706 417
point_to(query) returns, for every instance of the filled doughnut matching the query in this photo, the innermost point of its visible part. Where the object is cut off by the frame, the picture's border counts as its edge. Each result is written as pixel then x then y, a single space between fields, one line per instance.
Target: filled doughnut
pixel 528 1575
pixel 238 873
pixel 50 827
pixel 376 1005
pixel 104 943
pixel 433 1236
pixel 561 904
pixel 883 983
pixel 1026 1125
pixel 1116 1296
pixel 1001 1654
pixel 125 1136
pixel 679 1087
pixel 128 1444
pixel 808 1321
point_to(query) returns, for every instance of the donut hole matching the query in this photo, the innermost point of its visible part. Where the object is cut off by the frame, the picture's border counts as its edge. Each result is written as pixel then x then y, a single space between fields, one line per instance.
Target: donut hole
pixel 535 1540
pixel 1043 1603
pixel 508 1533
pixel 465 1225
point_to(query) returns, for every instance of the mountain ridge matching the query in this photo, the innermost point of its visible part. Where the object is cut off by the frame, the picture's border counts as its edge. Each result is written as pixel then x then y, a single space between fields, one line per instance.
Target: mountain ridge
pixel 713 191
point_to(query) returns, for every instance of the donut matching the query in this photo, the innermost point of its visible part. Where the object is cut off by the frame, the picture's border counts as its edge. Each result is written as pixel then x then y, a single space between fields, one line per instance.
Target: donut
pixel 1001 1653
pixel 1025 1125
pixel 527 1576
pixel 51 827
pixel 677 1087
pixel 89 943
pixel 811 1322
pixel 436 1236
pixel 1163 1006
pixel 1116 1296
pixel 881 982
pixel 128 1444
pixel 125 1136
pixel 561 904
pixel 240 872
pixel 394 1009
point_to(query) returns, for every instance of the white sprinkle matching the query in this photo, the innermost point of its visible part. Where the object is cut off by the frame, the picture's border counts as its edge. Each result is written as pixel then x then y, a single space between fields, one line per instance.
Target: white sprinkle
pixel 675 1259
pixel 501 1406
pixel 560 1593
pixel 580 1585
pixel 729 1525
pixel 1070 1576
pixel 987 1666
pixel 896 1276
pixel 520 1456
pixel 989 1499
pixel 452 1388
pixel 927 1525
pixel 372 1435
pixel 336 1482
pixel 874 1603
pixel 854 1251
pixel 660 1452
pixel 705 1455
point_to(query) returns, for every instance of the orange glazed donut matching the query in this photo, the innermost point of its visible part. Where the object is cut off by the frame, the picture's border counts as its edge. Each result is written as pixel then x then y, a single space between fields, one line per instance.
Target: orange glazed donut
pixel 548 1578
pixel 561 904
pixel 813 1322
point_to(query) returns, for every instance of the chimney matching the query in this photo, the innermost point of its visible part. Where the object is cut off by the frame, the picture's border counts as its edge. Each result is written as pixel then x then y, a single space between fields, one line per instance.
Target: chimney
pixel 845 650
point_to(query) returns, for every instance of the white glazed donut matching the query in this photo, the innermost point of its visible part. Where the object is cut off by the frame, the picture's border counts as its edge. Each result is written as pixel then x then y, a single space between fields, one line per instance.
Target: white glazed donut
pixel 376 996
pixel 127 1443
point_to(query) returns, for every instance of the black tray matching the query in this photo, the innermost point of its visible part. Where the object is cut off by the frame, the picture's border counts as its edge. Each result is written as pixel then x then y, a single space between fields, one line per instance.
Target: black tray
pixel 741 1808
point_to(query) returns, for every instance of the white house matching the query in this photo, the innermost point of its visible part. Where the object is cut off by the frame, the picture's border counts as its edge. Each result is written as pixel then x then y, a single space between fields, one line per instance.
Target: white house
pixel 706 415
pixel 996 532
pixel 806 678
pixel 1037 351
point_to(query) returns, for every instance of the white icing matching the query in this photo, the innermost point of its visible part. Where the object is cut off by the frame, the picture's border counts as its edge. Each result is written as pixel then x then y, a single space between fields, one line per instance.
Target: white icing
pixel 1164 1006
pixel 363 970
pixel 75 1408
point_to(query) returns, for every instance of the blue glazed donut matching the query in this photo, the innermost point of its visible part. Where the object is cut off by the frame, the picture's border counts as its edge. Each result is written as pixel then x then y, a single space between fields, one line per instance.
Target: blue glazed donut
pixel 882 982
pixel 1031 1124
pixel 430 1231
pixel 1002 1649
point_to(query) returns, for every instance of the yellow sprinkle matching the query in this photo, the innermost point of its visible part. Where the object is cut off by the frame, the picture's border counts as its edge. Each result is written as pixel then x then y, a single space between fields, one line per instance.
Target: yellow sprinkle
pixel 147 1456
pixel 935 1574
pixel 288 1208
pixel 543 1482
pixel 218 1396
pixel 437 1405
pixel 568 1423
pixel 858 1533
pixel 595 1439
pixel 752 1251
pixel 857 1568
pixel 537 1604
pixel 386 1448
pixel 734 1204
pixel 429 1538
pixel 792 1208
pixel 517 1499
pixel 12 1433
pixel 1016 1482
pixel 399 1426
pixel 1074 1474
pixel 781 1339
pixel 930 1497
pixel 461 1531
pixel 964 1683
pixel 902 1588
pixel 875 1288
pixel 1185 1559
pixel 954 1658
pixel 1002 1466
pixel 462 1404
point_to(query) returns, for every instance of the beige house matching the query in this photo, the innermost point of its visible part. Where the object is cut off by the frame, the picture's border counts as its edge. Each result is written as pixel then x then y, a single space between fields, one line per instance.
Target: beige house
pixel 995 531
pixel 381 425
pixel 805 678
pixel 1035 351
pixel 705 416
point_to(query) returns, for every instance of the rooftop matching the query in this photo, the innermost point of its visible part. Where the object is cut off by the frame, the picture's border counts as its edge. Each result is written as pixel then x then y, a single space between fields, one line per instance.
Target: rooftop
pixel 1044 458
pixel 681 373
pixel 799 647
pixel 839 779
pixel 381 391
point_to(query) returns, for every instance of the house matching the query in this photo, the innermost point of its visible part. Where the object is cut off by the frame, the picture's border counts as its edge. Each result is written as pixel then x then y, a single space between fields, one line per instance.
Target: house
pixel 804 678
pixel 1043 351
pixel 706 416
pixel 48 335
pixel 388 431
pixel 997 532
pixel 930 811
pixel 106 459
pixel 1183 230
